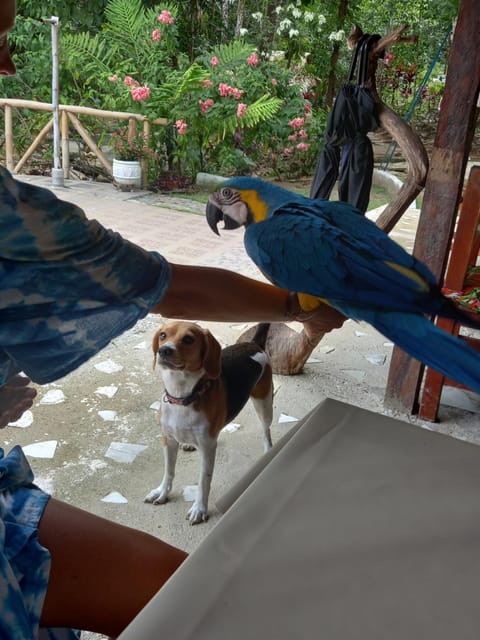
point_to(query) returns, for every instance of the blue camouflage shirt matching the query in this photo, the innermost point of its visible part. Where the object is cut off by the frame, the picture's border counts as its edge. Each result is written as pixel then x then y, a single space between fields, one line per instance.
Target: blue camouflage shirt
pixel 68 286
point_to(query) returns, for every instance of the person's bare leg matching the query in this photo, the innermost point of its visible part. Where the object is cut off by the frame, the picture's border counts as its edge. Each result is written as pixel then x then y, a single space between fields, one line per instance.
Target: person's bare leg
pixel 102 573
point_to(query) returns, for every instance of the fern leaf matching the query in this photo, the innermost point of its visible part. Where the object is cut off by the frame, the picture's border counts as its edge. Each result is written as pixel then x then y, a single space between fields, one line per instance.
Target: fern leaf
pixel 262 110
pixel 233 52
pixel 93 50
pixel 126 23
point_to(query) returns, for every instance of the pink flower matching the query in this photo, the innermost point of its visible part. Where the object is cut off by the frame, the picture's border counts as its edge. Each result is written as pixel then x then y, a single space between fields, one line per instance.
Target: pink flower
pixel 308 107
pixel 223 89
pixel 287 151
pixel 296 123
pixel 236 93
pixel 242 107
pixel 302 133
pixel 252 60
pixel 214 61
pixel 156 35
pixel 181 126
pixel 292 137
pixel 274 82
pixel 113 78
pixel 205 105
pixel 206 83
pixel 130 82
pixel 140 93
pixel 166 17
pixel 303 146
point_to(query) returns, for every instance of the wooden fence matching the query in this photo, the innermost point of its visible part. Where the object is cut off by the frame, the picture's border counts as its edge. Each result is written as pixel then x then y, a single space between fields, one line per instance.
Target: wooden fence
pixel 69 115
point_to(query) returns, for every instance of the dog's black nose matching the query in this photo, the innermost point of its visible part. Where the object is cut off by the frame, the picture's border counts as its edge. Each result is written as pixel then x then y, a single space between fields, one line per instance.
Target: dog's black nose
pixel 165 351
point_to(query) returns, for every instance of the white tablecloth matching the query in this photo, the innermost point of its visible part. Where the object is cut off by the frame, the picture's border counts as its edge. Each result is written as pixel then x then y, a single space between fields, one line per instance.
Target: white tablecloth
pixel 361 527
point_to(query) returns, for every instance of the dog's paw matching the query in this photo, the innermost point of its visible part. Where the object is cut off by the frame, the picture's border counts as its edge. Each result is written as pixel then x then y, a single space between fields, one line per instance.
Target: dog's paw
pixel 156 497
pixel 197 514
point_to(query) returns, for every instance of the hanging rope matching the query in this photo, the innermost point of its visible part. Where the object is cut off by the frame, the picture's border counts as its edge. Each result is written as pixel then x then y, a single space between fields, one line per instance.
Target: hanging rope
pixel 417 96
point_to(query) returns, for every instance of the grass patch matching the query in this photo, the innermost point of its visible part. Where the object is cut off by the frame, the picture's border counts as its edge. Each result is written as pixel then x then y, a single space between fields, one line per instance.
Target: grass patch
pixel 378 195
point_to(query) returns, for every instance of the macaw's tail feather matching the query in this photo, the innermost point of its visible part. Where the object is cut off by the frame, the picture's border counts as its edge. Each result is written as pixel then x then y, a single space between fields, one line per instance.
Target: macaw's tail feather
pixel 436 348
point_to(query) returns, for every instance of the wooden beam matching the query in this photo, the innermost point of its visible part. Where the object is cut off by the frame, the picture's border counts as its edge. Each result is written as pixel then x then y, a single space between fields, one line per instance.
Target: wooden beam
pixel 444 183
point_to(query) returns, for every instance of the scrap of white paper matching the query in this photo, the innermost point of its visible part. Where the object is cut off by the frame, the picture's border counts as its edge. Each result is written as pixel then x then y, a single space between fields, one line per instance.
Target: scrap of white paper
pixel 359 334
pixel 286 418
pixel 190 492
pixel 107 391
pixel 312 360
pixel 376 358
pixel 26 420
pixel 388 344
pixel 108 416
pixel 124 451
pixel 231 427
pixel 108 366
pixel 141 345
pixel 53 396
pixel 155 405
pixel 116 497
pixel 44 449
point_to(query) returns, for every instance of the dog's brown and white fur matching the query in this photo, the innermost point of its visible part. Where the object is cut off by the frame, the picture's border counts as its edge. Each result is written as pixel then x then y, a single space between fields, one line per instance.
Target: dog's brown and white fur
pixel 205 388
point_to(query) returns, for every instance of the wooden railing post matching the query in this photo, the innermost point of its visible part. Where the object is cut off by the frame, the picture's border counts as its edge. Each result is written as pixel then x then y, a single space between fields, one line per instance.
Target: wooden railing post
pixel 9 138
pixel 146 142
pixel 65 144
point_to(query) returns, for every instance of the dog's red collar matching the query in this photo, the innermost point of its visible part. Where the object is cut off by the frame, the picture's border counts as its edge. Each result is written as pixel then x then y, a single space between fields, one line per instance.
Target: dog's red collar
pixel 198 391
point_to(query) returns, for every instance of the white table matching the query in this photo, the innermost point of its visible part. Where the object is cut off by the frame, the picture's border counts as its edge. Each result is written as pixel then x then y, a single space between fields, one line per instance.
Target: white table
pixel 361 527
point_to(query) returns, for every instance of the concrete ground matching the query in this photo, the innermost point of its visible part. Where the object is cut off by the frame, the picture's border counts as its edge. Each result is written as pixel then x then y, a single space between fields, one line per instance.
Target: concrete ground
pixel 97 425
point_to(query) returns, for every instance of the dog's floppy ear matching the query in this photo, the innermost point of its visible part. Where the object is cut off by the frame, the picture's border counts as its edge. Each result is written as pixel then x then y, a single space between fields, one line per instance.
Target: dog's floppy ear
pixel 212 355
pixel 155 345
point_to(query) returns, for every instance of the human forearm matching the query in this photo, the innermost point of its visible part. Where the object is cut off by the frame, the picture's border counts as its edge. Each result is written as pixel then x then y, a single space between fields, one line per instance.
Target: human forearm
pixel 210 294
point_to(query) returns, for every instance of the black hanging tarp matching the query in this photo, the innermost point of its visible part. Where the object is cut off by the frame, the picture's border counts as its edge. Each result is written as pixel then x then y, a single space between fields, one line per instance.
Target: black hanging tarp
pixel 347 154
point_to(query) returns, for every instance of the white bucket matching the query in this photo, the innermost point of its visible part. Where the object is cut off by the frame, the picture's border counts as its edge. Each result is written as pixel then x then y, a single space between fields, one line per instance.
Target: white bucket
pixel 128 172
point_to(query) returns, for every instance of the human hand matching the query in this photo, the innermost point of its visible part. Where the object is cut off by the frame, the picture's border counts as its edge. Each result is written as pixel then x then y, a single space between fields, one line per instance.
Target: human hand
pixel 319 320
pixel 322 320
pixel 16 396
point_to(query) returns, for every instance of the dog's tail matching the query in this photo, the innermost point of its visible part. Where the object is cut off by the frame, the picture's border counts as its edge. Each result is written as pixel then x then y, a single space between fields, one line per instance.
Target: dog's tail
pixel 261 334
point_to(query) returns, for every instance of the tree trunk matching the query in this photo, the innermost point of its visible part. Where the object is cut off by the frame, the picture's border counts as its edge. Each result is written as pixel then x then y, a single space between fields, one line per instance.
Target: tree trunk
pixel 332 76
pixel 240 17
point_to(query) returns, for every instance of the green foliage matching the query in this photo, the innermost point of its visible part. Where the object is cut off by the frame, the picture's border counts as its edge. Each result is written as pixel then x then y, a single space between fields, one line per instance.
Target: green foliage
pixel 104 43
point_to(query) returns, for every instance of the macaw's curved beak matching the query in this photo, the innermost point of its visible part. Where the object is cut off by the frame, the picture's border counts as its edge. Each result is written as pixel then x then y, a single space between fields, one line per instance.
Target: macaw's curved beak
pixel 214 215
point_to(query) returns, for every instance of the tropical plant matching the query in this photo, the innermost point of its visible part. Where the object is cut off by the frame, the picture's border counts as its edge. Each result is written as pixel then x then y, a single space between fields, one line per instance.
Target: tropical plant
pixel 128 147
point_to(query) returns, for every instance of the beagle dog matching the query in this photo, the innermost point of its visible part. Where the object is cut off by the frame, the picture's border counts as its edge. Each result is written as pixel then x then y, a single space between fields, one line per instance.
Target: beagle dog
pixel 205 388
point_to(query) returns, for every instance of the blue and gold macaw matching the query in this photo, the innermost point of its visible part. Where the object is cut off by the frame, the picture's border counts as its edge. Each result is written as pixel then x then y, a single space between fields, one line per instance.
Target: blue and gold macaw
pixel 328 252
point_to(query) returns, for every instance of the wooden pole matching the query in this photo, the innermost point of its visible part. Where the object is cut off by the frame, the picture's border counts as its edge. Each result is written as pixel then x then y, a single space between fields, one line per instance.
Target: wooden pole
pixel 444 183
pixel 33 146
pixel 146 142
pixel 65 144
pixel 90 142
pixel 9 137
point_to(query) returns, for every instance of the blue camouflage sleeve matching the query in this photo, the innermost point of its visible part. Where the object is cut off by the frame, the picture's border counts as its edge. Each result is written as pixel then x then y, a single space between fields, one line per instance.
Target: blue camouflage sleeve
pixel 68 286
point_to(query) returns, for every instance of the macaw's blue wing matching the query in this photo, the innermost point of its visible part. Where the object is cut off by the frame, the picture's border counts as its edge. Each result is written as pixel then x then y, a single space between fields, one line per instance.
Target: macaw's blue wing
pixel 344 258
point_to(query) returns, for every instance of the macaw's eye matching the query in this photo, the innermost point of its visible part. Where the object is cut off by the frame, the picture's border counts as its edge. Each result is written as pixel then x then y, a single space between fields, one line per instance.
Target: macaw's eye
pixel 226 192
pixel 188 339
